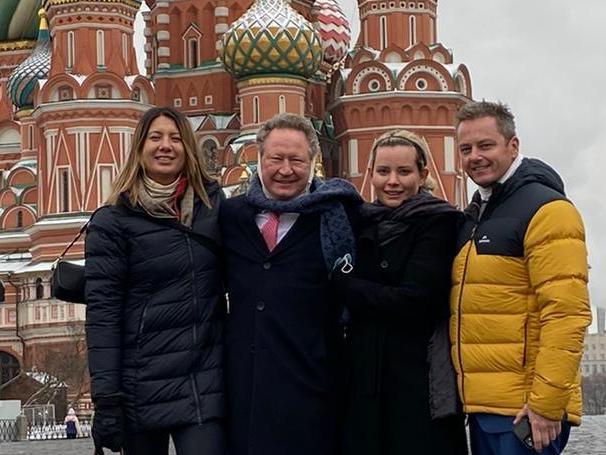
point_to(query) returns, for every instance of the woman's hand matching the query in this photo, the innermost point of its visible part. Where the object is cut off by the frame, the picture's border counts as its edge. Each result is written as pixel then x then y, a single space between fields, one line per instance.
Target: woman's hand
pixel 108 424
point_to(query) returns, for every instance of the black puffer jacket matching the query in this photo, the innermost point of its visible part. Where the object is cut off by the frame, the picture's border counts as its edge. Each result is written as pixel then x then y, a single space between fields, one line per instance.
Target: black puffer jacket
pixel 155 313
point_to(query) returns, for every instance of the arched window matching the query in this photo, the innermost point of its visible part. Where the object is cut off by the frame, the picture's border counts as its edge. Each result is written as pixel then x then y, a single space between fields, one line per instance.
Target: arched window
pixel 412 30
pixel 30 136
pixel 19 219
pixel 9 367
pixel 71 46
pixel 282 104
pixel 209 150
pixel 383 32
pixel 1 292
pixel 100 48
pixel 63 189
pixel 39 288
pixel 192 53
pixel 256 110
pixel 154 56
pixel 125 48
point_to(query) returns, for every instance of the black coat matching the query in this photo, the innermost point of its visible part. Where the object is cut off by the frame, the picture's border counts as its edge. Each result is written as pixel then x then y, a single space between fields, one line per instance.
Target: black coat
pixel 397 295
pixel 281 339
pixel 155 314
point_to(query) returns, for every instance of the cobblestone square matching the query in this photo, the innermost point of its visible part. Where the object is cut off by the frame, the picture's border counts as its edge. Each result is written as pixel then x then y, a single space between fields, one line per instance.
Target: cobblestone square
pixel 588 439
pixel 82 446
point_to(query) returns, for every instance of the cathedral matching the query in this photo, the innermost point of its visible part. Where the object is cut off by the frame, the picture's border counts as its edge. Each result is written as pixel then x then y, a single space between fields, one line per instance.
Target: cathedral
pixel 71 94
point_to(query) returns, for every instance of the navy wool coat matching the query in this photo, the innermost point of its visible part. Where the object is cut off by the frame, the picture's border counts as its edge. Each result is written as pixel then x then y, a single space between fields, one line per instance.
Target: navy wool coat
pixel 155 314
pixel 282 338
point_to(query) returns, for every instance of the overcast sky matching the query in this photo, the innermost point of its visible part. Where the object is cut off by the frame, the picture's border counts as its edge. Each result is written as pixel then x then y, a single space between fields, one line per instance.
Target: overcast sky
pixel 547 60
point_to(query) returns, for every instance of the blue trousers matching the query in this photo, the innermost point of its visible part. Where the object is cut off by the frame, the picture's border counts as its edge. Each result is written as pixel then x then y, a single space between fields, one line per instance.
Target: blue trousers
pixel 492 435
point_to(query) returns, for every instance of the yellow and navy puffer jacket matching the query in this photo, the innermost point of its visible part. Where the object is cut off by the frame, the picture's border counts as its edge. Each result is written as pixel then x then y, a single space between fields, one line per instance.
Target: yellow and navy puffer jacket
pixel 519 301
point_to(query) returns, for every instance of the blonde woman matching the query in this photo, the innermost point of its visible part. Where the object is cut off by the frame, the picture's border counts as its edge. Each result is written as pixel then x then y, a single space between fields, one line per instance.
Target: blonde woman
pixel 154 299
pixel 401 397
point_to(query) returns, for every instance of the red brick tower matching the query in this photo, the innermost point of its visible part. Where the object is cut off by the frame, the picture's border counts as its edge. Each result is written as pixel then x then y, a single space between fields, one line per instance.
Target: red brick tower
pixel 400 76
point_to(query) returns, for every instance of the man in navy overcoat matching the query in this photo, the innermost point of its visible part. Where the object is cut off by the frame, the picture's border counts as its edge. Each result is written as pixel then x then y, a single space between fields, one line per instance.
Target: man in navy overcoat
pixel 283 334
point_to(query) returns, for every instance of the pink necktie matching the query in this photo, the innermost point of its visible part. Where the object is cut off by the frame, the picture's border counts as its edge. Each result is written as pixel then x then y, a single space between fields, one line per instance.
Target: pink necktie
pixel 269 230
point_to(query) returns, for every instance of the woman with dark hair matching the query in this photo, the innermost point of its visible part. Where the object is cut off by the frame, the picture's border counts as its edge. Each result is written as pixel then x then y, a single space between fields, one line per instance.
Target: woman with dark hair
pixel 155 302
pixel 400 397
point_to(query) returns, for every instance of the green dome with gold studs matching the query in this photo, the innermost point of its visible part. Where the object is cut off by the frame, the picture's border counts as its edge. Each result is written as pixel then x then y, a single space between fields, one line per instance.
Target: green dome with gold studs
pixel 269 38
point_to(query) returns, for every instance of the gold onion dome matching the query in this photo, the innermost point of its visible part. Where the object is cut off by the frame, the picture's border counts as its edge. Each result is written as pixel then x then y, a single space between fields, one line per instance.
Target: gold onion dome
pixel 271 37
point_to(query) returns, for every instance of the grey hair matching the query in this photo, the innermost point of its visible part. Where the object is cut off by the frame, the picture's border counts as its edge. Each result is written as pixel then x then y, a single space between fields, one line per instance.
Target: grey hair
pixel 497 110
pixel 290 122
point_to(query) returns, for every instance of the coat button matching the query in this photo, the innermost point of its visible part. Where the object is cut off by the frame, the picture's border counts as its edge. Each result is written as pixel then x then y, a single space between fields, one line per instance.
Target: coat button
pixel 384 264
pixel 260 305
pixel 266 265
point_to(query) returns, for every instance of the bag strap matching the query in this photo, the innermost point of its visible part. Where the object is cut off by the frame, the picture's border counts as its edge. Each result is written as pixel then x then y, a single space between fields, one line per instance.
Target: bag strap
pixel 205 240
pixel 80 232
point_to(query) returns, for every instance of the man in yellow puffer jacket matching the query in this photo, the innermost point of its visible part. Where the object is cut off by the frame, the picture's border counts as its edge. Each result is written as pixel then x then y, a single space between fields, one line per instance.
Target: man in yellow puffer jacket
pixel 519 300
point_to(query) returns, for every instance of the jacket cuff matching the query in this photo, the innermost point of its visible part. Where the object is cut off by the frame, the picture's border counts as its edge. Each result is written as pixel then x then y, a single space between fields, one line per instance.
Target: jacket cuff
pixel 108 401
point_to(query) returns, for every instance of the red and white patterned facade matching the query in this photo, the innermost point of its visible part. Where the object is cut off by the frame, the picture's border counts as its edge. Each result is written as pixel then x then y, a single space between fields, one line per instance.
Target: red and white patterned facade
pixel 58 160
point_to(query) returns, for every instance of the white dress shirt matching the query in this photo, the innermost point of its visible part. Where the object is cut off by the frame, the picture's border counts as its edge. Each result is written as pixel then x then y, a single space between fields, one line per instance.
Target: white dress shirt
pixel 285 222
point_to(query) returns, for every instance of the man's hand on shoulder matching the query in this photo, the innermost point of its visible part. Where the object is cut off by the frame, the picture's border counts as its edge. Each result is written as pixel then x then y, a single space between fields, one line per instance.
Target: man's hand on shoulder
pixel 543 430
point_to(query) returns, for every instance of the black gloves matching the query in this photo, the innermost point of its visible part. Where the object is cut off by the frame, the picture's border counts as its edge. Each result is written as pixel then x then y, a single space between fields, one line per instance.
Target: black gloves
pixel 108 424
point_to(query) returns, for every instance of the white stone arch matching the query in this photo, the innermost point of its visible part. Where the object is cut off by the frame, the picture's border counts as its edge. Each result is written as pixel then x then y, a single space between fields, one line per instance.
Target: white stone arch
pixel 9 137
pixel 368 71
pixel 230 139
pixel 461 83
pixel 438 76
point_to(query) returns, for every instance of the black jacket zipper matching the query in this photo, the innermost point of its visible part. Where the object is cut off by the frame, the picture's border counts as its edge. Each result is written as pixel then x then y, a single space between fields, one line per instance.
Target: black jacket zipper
pixel 460 359
pixel 194 331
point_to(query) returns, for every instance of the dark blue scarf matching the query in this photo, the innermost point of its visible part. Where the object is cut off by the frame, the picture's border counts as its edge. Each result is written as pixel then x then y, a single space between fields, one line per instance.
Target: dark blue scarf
pixel 326 198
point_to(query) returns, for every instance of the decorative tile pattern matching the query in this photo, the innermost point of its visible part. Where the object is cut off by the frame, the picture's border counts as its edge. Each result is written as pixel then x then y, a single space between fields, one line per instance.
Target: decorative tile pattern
pixel 23 79
pixel 333 27
pixel 271 37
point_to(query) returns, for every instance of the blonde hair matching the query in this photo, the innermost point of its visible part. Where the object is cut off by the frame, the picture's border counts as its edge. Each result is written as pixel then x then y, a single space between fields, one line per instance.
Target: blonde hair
pixel 408 139
pixel 129 178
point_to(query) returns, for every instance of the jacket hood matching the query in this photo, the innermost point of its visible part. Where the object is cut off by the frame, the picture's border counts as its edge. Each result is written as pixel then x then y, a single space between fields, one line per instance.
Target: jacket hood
pixel 530 171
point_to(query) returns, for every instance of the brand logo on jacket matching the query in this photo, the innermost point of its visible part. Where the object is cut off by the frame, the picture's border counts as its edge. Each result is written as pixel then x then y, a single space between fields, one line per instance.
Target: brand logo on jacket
pixel 484 239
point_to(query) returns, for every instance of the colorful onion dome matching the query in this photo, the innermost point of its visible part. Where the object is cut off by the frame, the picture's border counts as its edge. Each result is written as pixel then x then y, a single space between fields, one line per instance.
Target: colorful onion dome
pixel 271 37
pixel 23 79
pixel 333 27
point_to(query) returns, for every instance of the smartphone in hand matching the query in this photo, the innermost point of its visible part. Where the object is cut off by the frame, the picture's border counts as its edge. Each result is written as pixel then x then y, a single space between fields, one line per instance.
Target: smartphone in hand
pixel 523 432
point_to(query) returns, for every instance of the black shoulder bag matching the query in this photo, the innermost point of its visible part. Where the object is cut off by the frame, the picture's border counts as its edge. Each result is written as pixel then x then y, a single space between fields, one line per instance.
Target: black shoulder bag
pixel 67 280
